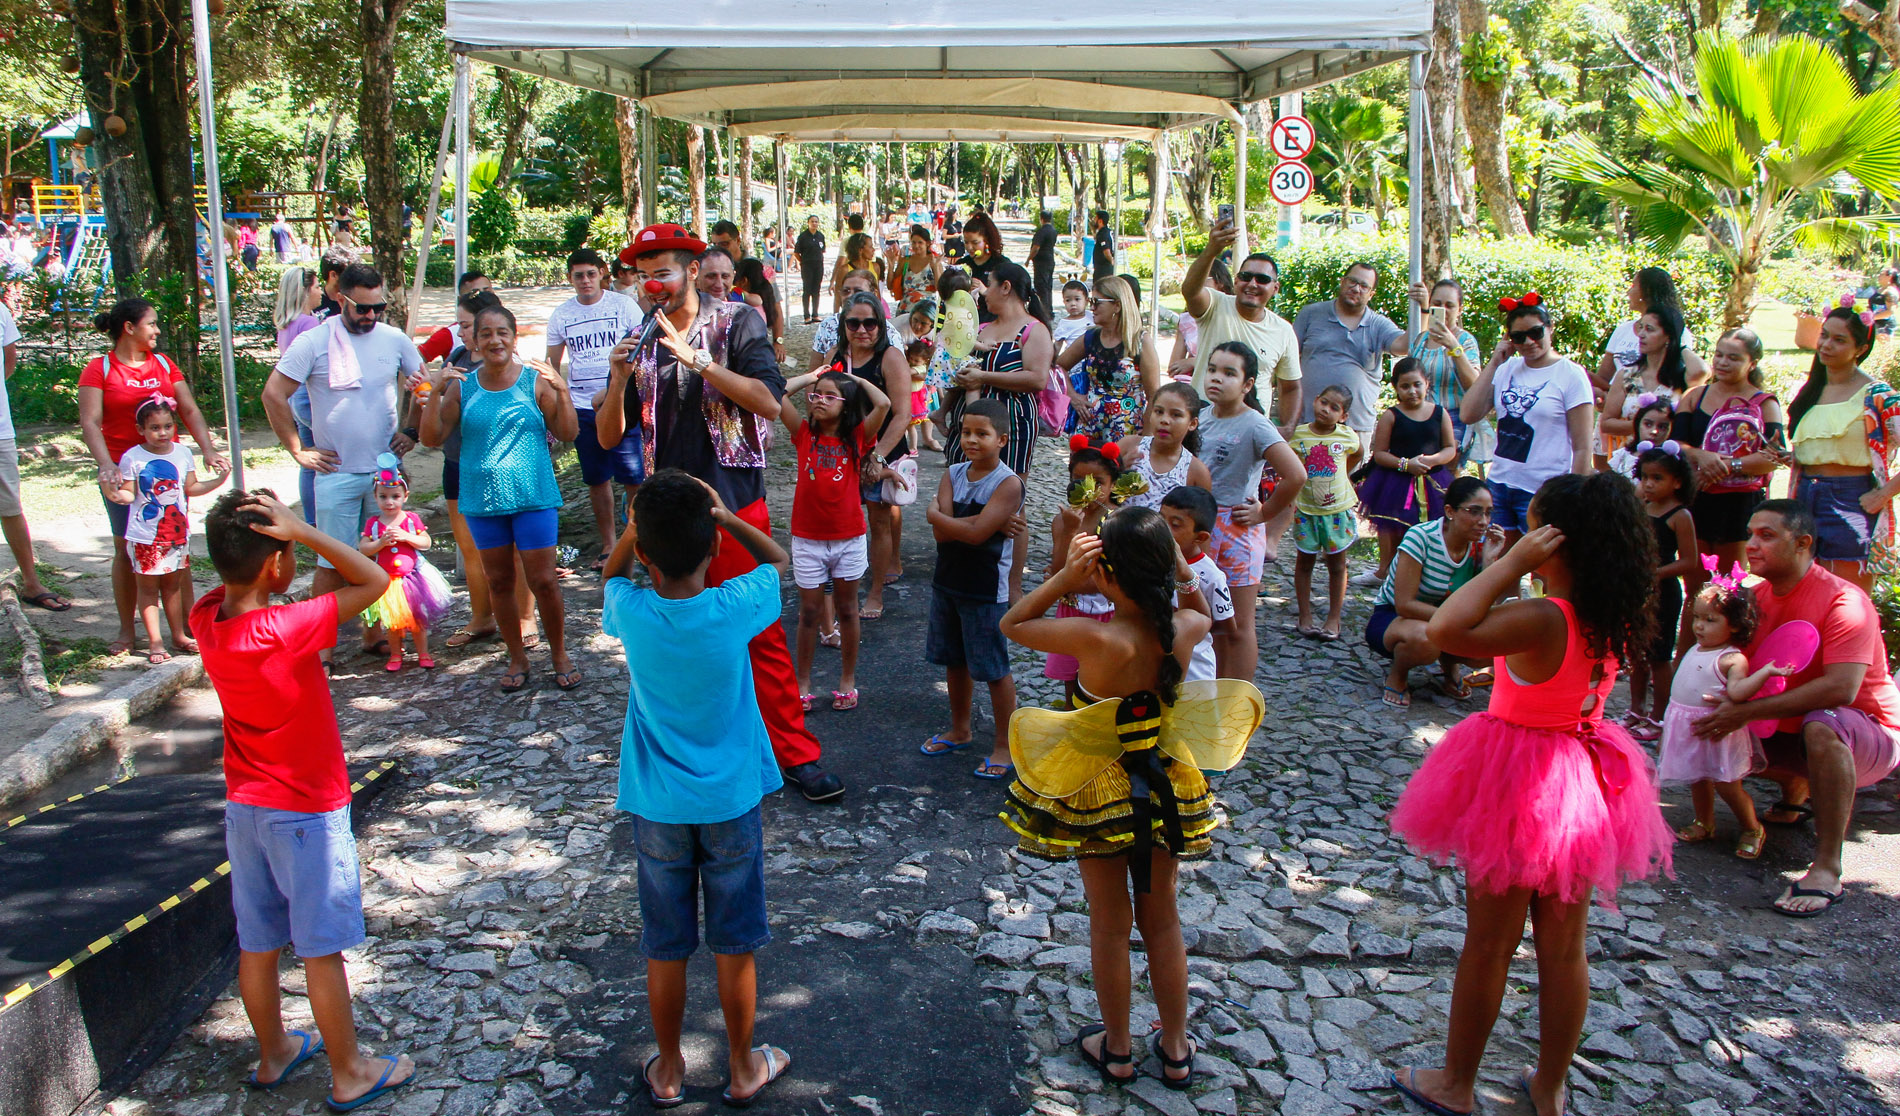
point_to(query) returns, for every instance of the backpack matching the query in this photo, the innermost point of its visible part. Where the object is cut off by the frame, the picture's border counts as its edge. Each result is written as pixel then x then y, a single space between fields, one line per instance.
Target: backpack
pixel 1737 430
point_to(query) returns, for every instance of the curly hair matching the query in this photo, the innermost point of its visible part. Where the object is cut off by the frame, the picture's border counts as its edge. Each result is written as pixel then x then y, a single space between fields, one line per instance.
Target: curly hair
pixel 1610 549
pixel 1737 605
pixel 1138 552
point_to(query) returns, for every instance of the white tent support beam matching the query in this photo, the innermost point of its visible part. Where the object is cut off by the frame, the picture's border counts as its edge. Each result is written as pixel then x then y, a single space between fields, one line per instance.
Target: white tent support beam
pixel 1158 229
pixel 1415 195
pixel 458 101
pixel 784 230
pixel 428 220
pixel 214 235
pixel 1240 191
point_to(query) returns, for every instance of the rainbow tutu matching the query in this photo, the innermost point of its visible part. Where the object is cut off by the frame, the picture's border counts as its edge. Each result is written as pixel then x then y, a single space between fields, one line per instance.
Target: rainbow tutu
pixel 413 602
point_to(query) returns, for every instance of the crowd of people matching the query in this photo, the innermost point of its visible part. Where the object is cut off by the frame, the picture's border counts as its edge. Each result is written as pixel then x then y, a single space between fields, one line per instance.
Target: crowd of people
pixel 1540 527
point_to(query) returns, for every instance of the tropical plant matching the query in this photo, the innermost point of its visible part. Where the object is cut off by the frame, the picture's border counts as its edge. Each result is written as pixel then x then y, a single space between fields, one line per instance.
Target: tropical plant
pixel 1357 145
pixel 1748 156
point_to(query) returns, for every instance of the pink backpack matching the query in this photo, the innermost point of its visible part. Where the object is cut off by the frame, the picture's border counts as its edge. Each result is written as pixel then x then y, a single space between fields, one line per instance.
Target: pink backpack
pixel 1737 430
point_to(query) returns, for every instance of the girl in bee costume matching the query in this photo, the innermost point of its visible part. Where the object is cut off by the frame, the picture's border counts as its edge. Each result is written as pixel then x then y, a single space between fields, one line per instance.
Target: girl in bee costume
pixel 1119 784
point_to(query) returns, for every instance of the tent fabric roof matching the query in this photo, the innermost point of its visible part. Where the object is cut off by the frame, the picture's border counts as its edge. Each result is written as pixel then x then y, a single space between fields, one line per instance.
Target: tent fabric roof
pixel 1024 69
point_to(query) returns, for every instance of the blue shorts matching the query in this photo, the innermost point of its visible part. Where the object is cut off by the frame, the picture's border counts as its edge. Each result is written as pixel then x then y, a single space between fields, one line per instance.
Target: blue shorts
pixel 1845 532
pixel 678 864
pixel 451 480
pixel 294 879
pixel 1510 507
pixel 527 530
pixel 599 465
pixel 345 501
pixel 967 633
pixel 1381 619
pixel 118 515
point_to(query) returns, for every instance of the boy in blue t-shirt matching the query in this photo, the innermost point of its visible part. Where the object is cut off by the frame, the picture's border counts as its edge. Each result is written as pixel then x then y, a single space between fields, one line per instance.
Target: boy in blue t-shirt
pixel 694 763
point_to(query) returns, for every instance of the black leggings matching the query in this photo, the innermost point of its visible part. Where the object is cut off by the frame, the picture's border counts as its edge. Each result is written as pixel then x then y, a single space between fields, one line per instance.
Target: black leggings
pixel 814 278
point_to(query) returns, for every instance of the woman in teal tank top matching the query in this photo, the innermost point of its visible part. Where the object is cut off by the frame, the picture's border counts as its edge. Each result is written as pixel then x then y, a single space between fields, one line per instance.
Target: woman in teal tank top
pixel 510 500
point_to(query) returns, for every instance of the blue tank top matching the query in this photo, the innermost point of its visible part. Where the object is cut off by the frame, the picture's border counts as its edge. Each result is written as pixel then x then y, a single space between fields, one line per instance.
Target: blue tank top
pixel 505 463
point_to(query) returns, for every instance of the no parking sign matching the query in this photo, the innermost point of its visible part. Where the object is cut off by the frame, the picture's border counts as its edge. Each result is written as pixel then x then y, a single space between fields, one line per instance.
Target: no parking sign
pixel 1291 138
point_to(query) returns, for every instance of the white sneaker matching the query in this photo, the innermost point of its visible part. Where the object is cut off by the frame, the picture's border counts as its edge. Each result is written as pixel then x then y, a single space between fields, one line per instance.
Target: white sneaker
pixel 1370 577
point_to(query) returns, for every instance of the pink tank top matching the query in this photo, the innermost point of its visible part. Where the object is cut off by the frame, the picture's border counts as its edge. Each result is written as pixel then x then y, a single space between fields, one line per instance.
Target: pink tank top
pixel 1559 702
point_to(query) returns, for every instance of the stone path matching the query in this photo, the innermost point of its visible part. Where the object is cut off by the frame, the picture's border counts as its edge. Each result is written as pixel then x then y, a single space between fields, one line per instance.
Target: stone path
pixel 919 966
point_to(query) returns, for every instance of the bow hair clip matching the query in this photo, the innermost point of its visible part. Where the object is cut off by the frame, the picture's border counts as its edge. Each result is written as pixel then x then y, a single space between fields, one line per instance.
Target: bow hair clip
pixel 1671 447
pixel 1729 583
pixel 163 400
pixel 1529 298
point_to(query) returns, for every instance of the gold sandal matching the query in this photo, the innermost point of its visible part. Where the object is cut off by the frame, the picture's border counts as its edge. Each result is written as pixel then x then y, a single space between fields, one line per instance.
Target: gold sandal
pixel 1695 833
pixel 1752 840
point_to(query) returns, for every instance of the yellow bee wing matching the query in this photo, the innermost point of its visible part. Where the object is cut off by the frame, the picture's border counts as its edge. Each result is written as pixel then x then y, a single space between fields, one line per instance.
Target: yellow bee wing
pixel 959 325
pixel 1057 753
pixel 1210 722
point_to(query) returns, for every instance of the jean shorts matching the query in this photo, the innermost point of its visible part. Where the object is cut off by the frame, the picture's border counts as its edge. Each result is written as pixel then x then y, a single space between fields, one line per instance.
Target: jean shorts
pixel 294 879
pixel 345 501
pixel 1845 532
pixel 526 530
pixel 117 515
pixel 599 465
pixel 967 633
pixel 679 863
pixel 1510 507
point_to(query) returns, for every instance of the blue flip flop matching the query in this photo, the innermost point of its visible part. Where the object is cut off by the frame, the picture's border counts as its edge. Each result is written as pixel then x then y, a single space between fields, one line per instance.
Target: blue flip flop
pixel 944 745
pixel 995 772
pixel 1423 1101
pixel 309 1050
pixel 381 1089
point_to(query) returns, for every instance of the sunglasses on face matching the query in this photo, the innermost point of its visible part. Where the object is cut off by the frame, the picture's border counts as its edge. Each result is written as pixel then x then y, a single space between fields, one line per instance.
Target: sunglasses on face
pixel 367 307
pixel 860 323
pixel 1520 336
pixel 1259 277
pixel 1104 302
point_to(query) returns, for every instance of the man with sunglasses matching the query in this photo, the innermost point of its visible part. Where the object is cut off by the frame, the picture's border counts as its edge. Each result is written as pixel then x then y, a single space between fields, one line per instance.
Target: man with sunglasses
pixel 1243 316
pixel 1344 342
pixel 351 365
pixel 657 383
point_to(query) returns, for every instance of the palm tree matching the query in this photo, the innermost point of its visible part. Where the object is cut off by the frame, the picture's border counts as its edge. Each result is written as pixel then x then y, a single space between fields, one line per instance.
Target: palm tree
pixel 1747 154
pixel 1356 146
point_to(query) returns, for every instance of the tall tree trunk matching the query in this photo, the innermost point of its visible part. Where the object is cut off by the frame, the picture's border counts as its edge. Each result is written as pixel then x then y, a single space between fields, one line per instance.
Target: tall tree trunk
pixel 1101 177
pixel 742 155
pixel 1196 176
pixel 903 160
pixel 1073 161
pixel 1443 72
pixel 134 63
pixel 696 176
pixel 376 131
pixel 1882 26
pixel 627 126
pixel 930 176
pixel 519 92
pixel 1491 160
pixel 1151 169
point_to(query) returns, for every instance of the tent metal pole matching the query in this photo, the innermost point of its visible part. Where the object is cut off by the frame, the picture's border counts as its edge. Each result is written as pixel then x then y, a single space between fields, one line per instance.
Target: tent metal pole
pixel 214 234
pixel 428 219
pixel 1240 190
pixel 1415 197
pixel 784 228
pixel 459 105
pixel 1159 229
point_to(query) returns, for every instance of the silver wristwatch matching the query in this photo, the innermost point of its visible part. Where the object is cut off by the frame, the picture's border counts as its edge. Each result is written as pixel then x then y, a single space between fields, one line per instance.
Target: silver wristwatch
pixel 702 360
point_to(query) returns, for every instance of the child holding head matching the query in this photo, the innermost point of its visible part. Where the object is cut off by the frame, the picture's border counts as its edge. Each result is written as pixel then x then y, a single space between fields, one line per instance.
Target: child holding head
pixel 828 528
pixel 1093 471
pixel 1538 799
pixel 694 764
pixel 1165 456
pixel 418 595
pixel 1725 617
pixel 1665 485
pixel 294 874
pixel 976 520
pixel 1325 525
pixel 1412 451
pixel 157 478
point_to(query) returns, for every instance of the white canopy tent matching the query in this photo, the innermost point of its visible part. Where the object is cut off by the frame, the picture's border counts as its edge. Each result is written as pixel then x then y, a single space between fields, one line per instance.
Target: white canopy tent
pixel 996 70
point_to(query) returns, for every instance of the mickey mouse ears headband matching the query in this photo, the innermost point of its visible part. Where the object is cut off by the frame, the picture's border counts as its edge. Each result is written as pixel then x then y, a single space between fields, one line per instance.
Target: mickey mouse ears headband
pixel 1507 304
pixel 1671 447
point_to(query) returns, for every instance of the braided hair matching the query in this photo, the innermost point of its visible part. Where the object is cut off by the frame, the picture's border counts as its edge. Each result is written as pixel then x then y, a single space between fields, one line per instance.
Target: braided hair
pixel 1138 552
pixel 1610 549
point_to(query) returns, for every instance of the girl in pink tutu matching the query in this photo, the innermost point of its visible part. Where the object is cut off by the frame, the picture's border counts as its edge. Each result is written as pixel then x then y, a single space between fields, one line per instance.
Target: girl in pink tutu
pixel 1538 799
pixel 418 595
pixel 1724 619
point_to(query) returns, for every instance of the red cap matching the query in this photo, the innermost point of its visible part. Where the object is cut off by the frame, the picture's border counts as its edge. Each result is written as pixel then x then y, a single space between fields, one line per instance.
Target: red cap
pixel 661 238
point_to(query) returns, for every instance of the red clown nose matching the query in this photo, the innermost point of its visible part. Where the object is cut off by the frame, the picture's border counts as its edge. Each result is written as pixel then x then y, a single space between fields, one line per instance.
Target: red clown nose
pixel 655 287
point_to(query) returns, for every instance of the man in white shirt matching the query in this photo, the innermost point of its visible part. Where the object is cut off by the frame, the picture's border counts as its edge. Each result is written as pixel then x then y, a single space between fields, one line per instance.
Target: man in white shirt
pixel 585 330
pixel 12 514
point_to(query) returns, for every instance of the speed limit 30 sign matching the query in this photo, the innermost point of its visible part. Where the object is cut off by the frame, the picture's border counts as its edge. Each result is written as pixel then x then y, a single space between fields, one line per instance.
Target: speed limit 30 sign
pixel 1291 138
pixel 1290 183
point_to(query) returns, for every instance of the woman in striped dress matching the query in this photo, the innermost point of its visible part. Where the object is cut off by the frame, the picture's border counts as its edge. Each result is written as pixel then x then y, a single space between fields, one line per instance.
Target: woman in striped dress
pixel 1433 559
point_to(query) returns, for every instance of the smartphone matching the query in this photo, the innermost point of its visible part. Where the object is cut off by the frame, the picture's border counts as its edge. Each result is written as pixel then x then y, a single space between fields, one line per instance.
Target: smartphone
pixel 1438 316
pixel 1225 214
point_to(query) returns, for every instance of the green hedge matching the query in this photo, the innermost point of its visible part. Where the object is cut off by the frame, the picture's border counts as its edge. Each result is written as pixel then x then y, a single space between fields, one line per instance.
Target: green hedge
pixel 45 387
pixel 509 267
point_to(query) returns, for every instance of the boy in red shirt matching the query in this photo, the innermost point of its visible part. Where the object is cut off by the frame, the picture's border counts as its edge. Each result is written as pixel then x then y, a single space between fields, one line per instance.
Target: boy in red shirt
pixel 294 873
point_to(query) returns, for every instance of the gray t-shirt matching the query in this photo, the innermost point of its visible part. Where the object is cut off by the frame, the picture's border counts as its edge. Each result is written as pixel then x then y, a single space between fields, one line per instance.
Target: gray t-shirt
pixel 590 334
pixel 1352 358
pixel 1232 448
pixel 355 423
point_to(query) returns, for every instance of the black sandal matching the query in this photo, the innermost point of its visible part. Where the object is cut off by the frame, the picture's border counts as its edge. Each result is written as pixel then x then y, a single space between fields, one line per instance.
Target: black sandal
pixel 1178 1084
pixel 1801 811
pixel 1105 1059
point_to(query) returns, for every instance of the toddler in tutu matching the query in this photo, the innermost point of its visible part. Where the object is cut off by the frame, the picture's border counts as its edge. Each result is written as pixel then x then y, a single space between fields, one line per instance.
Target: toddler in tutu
pixel 1538 799
pixel 1724 620
pixel 418 594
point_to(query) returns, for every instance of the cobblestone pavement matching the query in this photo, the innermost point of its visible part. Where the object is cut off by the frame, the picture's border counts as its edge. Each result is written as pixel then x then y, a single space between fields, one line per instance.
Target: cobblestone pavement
pixel 920 966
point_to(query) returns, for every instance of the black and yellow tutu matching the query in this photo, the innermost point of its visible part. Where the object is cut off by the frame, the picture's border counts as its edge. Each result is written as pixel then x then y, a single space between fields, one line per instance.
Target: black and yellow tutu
pixel 1119 776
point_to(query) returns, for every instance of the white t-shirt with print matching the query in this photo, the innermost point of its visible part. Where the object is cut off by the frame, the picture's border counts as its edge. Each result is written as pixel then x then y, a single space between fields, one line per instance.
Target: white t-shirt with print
pixel 1533 412
pixel 590 334
pixel 1220 605
pixel 159 481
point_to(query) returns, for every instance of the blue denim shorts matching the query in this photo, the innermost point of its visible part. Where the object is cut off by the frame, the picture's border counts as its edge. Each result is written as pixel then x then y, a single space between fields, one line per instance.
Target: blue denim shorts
pixel 679 863
pixel 967 633
pixel 345 502
pixel 294 879
pixel 623 463
pixel 1510 507
pixel 1846 531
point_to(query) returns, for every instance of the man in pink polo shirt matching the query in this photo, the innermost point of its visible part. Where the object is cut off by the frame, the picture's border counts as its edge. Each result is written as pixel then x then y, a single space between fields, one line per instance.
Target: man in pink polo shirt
pixel 1839 718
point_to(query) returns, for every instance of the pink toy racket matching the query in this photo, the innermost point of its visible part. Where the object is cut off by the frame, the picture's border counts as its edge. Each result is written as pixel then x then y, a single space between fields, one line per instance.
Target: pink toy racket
pixel 1792 645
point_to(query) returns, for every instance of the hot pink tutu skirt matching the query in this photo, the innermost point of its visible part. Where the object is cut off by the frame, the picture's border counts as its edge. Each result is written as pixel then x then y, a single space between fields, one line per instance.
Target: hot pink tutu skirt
pixel 1537 808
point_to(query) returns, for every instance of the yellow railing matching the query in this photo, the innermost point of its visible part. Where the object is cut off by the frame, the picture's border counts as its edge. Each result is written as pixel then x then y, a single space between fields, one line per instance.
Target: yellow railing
pixel 52 201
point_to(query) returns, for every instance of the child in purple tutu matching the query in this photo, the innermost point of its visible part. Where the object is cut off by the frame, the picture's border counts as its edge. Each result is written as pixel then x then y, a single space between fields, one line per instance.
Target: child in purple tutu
pixel 418 594
pixel 1412 452
pixel 1538 799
